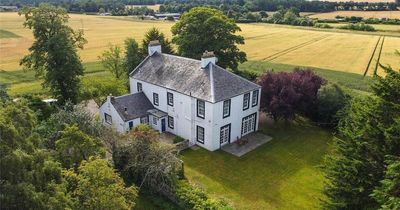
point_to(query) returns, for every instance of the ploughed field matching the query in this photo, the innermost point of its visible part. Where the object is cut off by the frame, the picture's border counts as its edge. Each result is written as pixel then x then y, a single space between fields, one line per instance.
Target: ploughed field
pixel 331 49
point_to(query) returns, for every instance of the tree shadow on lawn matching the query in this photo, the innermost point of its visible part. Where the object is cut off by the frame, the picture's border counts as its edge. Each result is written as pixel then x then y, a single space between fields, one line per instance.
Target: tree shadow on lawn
pixel 283 173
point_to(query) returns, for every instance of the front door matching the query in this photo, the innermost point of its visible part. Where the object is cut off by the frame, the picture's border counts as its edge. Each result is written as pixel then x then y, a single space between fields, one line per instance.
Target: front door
pixel 248 124
pixel 225 134
pixel 162 124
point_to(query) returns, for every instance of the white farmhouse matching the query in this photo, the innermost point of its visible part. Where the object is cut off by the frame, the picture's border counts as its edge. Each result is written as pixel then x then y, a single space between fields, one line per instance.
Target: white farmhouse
pixel 196 100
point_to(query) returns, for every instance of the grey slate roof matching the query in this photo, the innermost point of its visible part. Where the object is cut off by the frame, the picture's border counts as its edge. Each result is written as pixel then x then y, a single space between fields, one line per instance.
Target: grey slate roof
pixel 136 105
pixel 186 76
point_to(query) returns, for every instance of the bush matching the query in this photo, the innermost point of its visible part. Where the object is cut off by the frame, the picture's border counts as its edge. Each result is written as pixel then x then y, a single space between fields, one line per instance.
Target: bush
pixel 98 88
pixel 178 139
pixel 322 25
pixel 357 27
pixel 191 197
pixel 330 99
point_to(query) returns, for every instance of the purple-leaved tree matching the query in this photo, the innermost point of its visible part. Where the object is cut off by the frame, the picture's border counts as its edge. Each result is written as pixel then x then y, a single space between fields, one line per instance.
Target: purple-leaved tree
pixel 286 94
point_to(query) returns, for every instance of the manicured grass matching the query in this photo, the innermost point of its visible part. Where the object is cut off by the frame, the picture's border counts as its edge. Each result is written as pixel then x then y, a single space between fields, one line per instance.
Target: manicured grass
pixel 282 174
pixel 7 34
pixel 349 80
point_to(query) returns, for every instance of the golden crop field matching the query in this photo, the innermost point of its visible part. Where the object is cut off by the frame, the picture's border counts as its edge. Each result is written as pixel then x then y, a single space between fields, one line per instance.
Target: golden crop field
pixel 347 52
pixel 364 14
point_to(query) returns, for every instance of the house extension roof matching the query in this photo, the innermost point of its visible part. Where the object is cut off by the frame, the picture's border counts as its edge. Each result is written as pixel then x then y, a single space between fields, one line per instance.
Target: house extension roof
pixel 136 105
pixel 186 76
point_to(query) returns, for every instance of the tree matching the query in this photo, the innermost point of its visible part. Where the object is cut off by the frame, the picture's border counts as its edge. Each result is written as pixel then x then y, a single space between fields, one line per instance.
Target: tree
pixel 147 162
pixel 132 55
pixel 155 34
pixel 97 186
pixel 75 146
pixel 53 54
pixel 29 178
pixel 113 61
pixel 285 94
pixel 3 93
pixel 369 134
pixel 387 194
pixel 209 29
pixel 330 100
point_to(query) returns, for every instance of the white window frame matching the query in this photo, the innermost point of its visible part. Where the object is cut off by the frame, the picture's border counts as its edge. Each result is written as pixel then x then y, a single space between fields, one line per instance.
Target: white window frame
pixel 170 99
pixel 107 118
pixel 156 99
pixel 144 120
pixel 200 133
pixel 201 109
pixel 225 134
pixel 139 87
pixel 226 108
pixel 246 101
pixel 155 119
pixel 254 99
pixel 170 122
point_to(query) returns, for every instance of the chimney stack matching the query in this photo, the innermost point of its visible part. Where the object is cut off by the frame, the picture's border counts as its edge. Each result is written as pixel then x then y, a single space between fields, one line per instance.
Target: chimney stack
pixel 208 57
pixel 154 46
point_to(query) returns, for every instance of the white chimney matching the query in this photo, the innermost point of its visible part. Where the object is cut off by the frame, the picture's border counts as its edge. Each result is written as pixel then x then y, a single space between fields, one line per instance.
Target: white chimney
pixel 206 58
pixel 154 46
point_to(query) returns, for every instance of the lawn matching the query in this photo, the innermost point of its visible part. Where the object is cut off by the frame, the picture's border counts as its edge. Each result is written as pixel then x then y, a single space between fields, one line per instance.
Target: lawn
pixel 282 174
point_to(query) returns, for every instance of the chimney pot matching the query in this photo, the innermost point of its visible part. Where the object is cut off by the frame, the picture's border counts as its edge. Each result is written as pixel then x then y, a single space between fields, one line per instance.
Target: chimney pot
pixel 154 46
pixel 208 57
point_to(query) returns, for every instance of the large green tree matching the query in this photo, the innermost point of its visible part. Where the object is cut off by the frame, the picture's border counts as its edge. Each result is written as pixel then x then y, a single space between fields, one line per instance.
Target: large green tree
pixel 155 34
pixel 132 55
pixel 53 54
pixel 204 28
pixel 113 60
pixel 388 194
pixel 96 185
pixel 369 134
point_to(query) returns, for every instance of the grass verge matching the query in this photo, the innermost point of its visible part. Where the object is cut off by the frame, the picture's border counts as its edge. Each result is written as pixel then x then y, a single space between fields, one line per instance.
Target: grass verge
pixel 7 34
pixel 282 174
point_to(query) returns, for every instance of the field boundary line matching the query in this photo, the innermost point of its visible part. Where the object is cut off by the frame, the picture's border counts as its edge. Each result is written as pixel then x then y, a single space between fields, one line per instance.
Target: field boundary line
pixel 372 56
pixel 260 36
pixel 296 47
pixel 379 57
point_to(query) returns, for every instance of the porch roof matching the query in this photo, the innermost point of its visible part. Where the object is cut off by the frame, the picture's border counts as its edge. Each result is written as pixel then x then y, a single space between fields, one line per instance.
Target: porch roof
pixel 157 113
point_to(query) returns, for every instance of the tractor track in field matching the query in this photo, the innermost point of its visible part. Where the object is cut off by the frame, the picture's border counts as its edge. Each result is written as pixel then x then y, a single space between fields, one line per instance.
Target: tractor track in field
pixel 296 47
pixel 379 56
pixel 372 56
pixel 261 36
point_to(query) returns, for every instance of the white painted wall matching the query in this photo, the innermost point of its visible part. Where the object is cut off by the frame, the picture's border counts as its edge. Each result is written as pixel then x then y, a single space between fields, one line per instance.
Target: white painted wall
pixel 185 115
pixel 117 121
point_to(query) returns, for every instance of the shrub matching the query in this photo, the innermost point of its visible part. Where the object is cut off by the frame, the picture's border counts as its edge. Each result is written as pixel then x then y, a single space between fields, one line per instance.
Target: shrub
pixel 178 139
pixel 322 25
pixel 357 27
pixel 191 197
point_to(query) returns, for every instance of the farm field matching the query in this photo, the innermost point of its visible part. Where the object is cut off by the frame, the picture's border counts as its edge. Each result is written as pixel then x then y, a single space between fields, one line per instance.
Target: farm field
pixel 331 50
pixel 364 14
pixel 284 173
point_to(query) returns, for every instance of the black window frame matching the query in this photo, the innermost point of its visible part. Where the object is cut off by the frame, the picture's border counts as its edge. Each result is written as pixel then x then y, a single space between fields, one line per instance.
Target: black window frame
pixel 155 119
pixel 255 93
pixel 197 109
pixel 154 99
pixel 139 85
pixel 170 96
pixel 197 134
pixel 229 108
pixel 230 131
pixel 105 118
pixel 169 124
pixel 248 101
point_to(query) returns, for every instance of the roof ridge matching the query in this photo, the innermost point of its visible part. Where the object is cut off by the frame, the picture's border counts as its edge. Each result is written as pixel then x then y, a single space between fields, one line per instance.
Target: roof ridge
pixel 242 78
pixel 177 56
pixel 128 94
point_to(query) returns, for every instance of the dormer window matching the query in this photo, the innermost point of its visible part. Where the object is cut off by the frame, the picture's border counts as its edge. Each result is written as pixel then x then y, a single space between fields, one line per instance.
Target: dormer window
pixel 246 101
pixel 155 99
pixel 201 109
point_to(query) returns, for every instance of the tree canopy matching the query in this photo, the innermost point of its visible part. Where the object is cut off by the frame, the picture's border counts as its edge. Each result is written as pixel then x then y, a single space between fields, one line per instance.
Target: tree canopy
pixel 206 29
pixel 155 34
pixel 53 54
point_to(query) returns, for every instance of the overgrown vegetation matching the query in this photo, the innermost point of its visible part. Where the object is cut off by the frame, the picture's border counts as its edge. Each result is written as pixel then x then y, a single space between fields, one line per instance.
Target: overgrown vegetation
pixel 357 27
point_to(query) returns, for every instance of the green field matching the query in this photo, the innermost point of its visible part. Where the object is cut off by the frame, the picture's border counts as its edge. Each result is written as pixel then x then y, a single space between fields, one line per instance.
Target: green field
pixel 282 174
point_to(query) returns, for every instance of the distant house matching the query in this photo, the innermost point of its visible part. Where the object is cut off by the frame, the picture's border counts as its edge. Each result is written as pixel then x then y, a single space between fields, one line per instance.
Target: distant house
pixel 8 8
pixel 194 99
pixel 164 16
